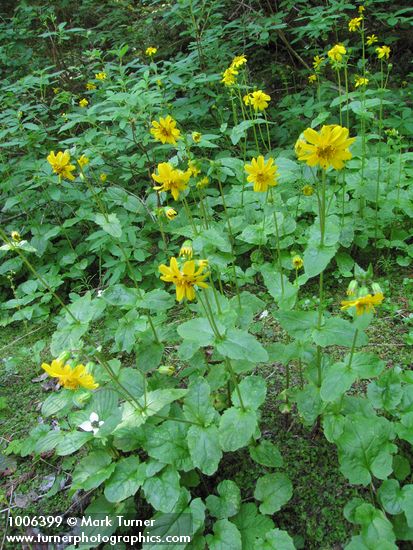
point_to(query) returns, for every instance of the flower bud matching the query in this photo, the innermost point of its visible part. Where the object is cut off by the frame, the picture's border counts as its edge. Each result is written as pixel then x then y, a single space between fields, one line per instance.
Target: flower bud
pixel 64 356
pixel 363 291
pixel 352 288
pixel 166 370
pixel 376 288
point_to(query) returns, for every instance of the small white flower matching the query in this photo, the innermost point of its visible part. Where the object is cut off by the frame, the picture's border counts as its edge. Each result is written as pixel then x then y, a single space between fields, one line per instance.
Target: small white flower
pixel 264 314
pixel 99 293
pixel 93 424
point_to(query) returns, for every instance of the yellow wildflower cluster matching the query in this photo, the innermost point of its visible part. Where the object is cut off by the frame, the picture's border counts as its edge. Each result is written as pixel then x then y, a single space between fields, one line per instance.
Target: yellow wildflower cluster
pixel 258 100
pixel 171 179
pixel 229 76
pixel 70 377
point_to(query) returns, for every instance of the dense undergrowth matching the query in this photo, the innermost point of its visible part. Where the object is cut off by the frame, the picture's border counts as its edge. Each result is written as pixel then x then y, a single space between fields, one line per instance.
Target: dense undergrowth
pixel 206 225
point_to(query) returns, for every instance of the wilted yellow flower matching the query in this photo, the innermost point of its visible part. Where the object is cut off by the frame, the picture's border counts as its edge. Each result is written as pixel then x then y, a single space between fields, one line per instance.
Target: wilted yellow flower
pixel 261 173
pixel 312 78
pixel 238 61
pixel 184 279
pixel 196 137
pixel 83 102
pixel 361 81
pixel 259 100
pixel 90 86
pixel 308 190
pixel 165 130
pixel 171 179
pixel 61 164
pixel 365 304
pixel 193 168
pixel 229 76
pixel 170 213
pixel 372 39
pixel 15 236
pixel 336 53
pixel 317 62
pixel 204 182
pixel 328 147
pixel 186 250
pixel 103 177
pixel 151 51
pixel 297 262
pixel 383 52
pixel 101 76
pixel 69 377
pixel 354 24
pixel 83 161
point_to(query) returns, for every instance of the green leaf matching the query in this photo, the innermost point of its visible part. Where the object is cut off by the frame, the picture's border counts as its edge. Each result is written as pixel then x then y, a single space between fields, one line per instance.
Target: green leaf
pixel 158 399
pixel 162 492
pixel 92 470
pixel 317 258
pixel 391 496
pixel 197 403
pixel 253 390
pixel 204 447
pixel 239 344
pixel 337 380
pixel 72 442
pixel 228 503
pixel 267 454
pixel 167 443
pixel 128 476
pixel 149 355
pixel 226 536
pixel 276 539
pixel 236 428
pixel 157 300
pixel 109 223
pixel 285 296
pixel 338 332
pixel 273 490
pixel 57 402
pixel 251 524
pixel 121 296
pixel 240 130
pixel 297 323
pixel 197 330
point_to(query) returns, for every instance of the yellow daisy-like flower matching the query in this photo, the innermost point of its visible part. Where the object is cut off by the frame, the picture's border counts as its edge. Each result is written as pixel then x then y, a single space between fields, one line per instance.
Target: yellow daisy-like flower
pixel 90 86
pixel 103 177
pixel 193 168
pixel 317 62
pixel 383 52
pixel 61 164
pixel 165 130
pixel 229 76
pixel 365 304
pixel 83 161
pixel 83 102
pixel 308 190
pixel 170 213
pixel 196 137
pixel 15 236
pixel 336 53
pixel 328 147
pixel 259 100
pixel 171 179
pixel 372 39
pixel 312 78
pixel 204 182
pixel 262 174
pixel 186 250
pixel 151 51
pixel 238 61
pixel 354 24
pixel 184 279
pixel 69 377
pixel 297 262
pixel 361 81
pixel 101 76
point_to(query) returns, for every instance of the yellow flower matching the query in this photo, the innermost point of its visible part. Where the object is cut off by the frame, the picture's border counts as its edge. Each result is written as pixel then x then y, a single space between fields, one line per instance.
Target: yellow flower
pixel 317 62
pixel 151 51
pixel 170 213
pixel 308 190
pixel 336 53
pixel 372 39
pixel 312 78
pixel 365 304
pixel 100 76
pixel 361 9
pixel 69 377
pixel 61 164
pixel 259 100
pixel 193 168
pixel 328 147
pixel 361 81
pixel 165 130
pixel 238 61
pixel 83 102
pixel 261 173
pixel 15 235
pixel 196 137
pixel 229 76
pixel 383 52
pixel 103 177
pixel 171 179
pixel 354 24
pixel 83 161
pixel 184 279
pixel 186 250
pixel 297 262
pixel 204 182
pixel 56 90
pixel 90 86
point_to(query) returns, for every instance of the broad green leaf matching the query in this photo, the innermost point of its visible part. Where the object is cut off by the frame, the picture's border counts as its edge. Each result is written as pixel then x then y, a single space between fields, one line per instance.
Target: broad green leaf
pixel 167 443
pixel 126 479
pixel 228 503
pixel 109 223
pixel 391 496
pixel 253 390
pixel 267 454
pixel 226 536
pixel 273 490
pixel 297 323
pixel 338 332
pixel 57 402
pixel 236 428
pixel 92 470
pixel 276 539
pixel 163 491
pixel 197 330
pixel 197 403
pixel 317 258
pixel 251 524
pixel 337 380
pixel 204 448
pixel 72 442
pixel 239 344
